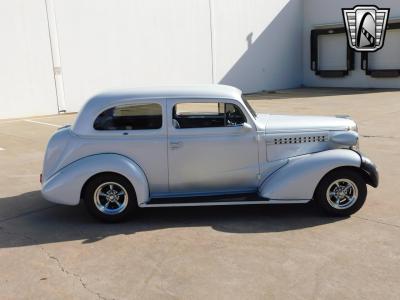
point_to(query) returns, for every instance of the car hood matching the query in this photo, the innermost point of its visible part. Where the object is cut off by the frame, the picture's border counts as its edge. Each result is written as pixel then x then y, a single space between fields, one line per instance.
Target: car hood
pixel 287 123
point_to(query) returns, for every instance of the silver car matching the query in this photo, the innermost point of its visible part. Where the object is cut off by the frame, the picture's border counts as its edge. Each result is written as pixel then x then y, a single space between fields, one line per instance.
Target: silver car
pixel 201 145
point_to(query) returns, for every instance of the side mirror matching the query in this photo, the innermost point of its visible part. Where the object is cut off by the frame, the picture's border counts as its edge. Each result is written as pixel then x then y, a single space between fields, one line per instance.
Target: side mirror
pixel 246 126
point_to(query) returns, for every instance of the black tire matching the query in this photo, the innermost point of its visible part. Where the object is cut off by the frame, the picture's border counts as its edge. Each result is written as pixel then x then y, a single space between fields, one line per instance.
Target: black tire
pixel 351 177
pixel 116 210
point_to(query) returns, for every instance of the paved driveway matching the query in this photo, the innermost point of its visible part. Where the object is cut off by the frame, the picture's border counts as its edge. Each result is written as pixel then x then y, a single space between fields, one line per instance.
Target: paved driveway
pixel 255 252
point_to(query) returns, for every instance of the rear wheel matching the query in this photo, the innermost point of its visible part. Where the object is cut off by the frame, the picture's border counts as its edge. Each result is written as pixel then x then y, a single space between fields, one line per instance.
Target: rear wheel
pixel 109 197
pixel 341 192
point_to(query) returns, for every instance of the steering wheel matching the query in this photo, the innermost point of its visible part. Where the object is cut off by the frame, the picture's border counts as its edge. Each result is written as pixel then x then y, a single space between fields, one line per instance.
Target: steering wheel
pixel 229 117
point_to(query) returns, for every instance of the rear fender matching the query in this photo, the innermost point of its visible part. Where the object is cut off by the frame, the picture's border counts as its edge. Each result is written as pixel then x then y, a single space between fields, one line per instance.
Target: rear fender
pixel 298 179
pixel 65 186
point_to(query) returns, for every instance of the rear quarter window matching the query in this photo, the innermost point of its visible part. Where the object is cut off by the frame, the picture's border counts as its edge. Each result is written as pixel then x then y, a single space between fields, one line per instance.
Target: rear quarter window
pixel 130 117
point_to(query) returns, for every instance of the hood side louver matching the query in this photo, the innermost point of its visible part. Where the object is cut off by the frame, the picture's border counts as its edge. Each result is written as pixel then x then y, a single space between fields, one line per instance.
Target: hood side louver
pixel 300 139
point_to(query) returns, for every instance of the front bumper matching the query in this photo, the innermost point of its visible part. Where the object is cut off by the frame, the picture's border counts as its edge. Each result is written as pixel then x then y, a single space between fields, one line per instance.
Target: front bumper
pixel 371 171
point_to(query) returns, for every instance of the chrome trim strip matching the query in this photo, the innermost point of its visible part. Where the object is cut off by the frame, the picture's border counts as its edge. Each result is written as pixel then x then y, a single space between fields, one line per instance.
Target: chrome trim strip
pixel 227 203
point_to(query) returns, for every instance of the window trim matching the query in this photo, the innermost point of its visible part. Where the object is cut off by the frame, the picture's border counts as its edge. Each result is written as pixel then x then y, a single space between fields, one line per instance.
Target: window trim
pixel 249 107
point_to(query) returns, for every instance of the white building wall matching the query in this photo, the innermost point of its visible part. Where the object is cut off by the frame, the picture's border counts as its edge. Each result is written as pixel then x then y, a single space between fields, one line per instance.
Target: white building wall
pixel 257 44
pixel 319 12
pixel 122 44
pixel 254 45
pixel 126 43
pixel 133 43
pixel 26 71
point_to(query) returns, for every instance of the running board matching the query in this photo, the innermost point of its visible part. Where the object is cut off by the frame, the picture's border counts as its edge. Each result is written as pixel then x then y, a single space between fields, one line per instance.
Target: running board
pixel 235 199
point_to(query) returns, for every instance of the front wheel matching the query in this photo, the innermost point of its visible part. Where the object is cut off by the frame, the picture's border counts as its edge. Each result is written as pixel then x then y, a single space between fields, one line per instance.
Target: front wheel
pixel 109 197
pixel 341 192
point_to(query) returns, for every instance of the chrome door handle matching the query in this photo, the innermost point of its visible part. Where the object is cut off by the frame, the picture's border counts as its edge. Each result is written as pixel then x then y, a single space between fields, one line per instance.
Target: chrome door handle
pixel 175 145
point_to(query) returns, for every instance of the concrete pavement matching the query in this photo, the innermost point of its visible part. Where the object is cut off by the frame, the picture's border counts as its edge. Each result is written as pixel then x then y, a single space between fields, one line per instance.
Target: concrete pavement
pixel 254 252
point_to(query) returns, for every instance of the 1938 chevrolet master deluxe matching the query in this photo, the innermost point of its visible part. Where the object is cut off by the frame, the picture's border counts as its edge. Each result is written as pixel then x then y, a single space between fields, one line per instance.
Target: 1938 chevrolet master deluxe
pixel 201 145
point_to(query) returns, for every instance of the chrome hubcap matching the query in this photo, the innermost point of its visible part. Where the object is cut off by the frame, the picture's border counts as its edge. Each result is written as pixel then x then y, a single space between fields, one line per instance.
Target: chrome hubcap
pixel 342 193
pixel 111 198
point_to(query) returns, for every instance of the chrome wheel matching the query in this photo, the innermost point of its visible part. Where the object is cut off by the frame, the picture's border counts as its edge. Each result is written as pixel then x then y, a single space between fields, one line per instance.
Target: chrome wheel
pixel 110 198
pixel 342 193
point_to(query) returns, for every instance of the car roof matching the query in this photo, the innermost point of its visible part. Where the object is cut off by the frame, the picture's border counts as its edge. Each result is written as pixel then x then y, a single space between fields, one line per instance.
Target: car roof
pixel 193 91
pixel 96 104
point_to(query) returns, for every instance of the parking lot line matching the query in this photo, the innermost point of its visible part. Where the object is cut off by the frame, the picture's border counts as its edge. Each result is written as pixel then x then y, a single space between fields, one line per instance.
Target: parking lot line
pixel 53 116
pixel 42 123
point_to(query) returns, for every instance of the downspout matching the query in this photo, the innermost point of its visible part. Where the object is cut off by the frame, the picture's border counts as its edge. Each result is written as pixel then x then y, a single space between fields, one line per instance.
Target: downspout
pixel 211 13
pixel 55 55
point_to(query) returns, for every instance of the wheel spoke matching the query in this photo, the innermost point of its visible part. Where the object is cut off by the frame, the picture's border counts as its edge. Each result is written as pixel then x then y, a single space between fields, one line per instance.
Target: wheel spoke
pixel 121 193
pixel 103 194
pixel 348 189
pixel 111 187
pixel 348 197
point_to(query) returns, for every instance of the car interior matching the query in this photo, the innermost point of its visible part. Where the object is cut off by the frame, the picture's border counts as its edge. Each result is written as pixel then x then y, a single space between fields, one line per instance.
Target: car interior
pixel 133 117
pixel 224 115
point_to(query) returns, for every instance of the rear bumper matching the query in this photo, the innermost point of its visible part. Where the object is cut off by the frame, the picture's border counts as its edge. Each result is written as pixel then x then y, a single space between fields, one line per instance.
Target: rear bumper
pixel 371 171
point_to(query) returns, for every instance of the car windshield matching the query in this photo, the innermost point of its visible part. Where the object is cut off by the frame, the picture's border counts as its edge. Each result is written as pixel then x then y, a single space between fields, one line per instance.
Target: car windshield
pixel 252 111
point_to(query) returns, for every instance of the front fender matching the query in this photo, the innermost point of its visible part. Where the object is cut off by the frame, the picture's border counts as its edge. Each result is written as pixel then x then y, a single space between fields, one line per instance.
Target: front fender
pixel 371 172
pixel 65 186
pixel 298 179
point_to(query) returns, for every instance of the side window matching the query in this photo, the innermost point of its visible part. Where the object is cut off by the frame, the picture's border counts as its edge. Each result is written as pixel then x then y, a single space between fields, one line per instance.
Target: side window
pixel 197 108
pixel 201 115
pixel 130 117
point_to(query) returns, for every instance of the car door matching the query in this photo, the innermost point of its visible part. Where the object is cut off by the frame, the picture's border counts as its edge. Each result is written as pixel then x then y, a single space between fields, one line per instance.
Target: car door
pixel 207 157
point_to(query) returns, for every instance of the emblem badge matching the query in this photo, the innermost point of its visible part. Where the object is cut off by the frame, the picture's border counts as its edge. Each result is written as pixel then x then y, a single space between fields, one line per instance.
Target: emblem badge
pixel 365 27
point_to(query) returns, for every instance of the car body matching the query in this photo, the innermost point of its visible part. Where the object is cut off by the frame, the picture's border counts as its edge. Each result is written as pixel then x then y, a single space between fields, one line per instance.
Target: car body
pixel 197 145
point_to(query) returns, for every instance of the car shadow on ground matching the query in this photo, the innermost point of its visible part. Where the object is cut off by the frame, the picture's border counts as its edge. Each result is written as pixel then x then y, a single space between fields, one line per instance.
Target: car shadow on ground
pixel 28 219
